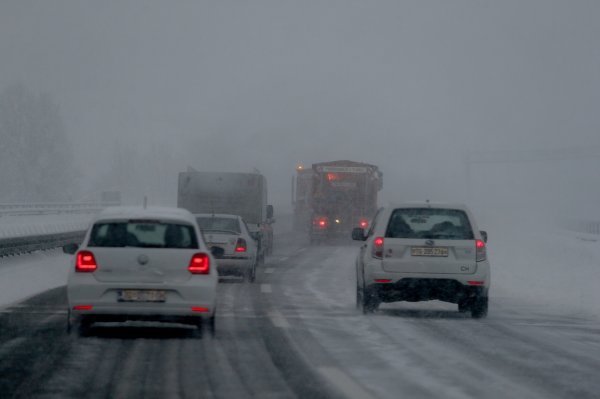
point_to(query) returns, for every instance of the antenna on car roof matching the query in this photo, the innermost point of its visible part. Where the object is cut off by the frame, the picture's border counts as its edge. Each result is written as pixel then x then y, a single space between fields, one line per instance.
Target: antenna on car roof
pixel 427 202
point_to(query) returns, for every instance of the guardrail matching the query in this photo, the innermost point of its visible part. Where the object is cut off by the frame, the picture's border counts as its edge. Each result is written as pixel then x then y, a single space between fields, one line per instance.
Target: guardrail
pixel 23 245
pixel 52 208
pixel 581 226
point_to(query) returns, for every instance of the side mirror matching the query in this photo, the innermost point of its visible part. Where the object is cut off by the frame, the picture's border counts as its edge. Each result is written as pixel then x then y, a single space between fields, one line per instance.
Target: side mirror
pixel 70 248
pixel 358 234
pixel 270 212
pixel 484 236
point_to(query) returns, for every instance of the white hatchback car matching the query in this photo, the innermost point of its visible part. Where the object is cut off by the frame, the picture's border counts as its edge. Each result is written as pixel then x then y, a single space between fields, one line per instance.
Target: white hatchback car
pixel 420 252
pixel 142 264
pixel 231 243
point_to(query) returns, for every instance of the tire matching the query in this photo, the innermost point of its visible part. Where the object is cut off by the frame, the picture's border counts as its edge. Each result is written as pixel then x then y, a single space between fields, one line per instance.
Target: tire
pixel 369 301
pixel 479 307
pixel 251 274
pixel 464 306
pixel 84 327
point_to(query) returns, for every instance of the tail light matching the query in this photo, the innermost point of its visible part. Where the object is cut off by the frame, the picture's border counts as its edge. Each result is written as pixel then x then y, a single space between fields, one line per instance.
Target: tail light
pixel 321 222
pixel 85 262
pixel 199 264
pixel 377 251
pixel 363 223
pixel 241 246
pixel 480 250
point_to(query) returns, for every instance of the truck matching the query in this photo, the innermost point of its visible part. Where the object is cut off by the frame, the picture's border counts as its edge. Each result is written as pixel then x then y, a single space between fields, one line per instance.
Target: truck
pixel 243 194
pixel 331 198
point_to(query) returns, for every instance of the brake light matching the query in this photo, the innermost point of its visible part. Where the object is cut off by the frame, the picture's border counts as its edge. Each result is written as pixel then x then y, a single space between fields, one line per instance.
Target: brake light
pixel 83 307
pixel 480 250
pixel 363 223
pixel 383 280
pixel 199 264
pixel 241 246
pixel 321 222
pixel 377 251
pixel 200 309
pixel 85 262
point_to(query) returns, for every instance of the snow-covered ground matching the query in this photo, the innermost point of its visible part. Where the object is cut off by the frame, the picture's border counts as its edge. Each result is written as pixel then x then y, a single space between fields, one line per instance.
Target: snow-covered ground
pixel 31 225
pixel 26 275
pixel 555 268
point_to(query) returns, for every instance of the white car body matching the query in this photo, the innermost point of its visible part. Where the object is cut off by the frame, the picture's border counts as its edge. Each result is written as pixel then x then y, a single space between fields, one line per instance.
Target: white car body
pixel 417 260
pixel 143 282
pixel 222 233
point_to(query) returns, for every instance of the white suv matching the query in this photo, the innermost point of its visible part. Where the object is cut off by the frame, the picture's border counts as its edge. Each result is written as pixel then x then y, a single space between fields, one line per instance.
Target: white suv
pixel 423 251
pixel 142 264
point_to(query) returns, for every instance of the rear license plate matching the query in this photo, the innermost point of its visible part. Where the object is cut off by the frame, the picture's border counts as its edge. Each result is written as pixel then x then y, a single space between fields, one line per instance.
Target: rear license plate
pixel 429 251
pixel 142 296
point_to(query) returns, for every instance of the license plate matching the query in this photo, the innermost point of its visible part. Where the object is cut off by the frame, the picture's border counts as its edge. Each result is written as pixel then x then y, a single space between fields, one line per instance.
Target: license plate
pixel 429 251
pixel 142 296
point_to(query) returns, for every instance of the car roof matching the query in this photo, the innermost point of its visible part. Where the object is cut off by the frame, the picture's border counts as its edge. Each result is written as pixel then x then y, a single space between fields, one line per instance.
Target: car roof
pixel 151 212
pixel 218 215
pixel 428 204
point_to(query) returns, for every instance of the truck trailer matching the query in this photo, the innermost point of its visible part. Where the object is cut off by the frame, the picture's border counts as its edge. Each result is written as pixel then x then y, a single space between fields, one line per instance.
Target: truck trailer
pixel 243 194
pixel 331 198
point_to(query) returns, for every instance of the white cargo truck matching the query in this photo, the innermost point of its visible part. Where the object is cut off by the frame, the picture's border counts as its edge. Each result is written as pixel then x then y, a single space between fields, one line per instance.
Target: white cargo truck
pixel 243 194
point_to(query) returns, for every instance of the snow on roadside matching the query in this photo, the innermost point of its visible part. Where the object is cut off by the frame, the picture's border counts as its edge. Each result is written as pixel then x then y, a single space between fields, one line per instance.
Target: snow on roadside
pixel 553 268
pixel 27 275
pixel 31 225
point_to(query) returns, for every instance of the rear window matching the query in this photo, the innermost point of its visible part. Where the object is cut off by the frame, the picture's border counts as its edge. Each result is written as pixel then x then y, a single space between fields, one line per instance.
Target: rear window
pixel 215 223
pixel 144 234
pixel 430 223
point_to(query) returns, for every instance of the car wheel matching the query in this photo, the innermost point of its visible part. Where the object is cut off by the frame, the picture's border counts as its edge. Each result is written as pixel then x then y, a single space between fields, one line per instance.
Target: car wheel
pixel 369 301
pixel 464 306
pixel 85 327
pixel 479 307
pixel 251 274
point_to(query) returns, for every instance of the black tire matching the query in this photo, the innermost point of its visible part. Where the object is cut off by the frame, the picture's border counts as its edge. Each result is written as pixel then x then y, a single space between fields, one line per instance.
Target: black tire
pixel 209 326
pixel 369 301
pixel 479 307
pixel 84 327
pixel 251 274
pixel 69 321
pixel 464 306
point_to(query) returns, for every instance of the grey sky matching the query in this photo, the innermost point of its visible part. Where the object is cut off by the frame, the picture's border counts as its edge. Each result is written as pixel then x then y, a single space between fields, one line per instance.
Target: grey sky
pixel 408 85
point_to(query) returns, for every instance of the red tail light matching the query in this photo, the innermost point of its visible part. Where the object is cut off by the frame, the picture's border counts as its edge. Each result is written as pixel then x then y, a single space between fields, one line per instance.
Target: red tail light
pixel 200 309
pixel 321 222
pixel 83 307
pixel 199 264
pixel 241 246
pixel 363 223
pixel 480 250
pixel 377 250
pixel 85 263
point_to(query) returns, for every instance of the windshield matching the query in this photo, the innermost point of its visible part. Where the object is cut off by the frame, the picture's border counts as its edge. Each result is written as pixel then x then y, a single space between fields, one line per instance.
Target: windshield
pixel 145 234
pixel 430 223
pixel 215 223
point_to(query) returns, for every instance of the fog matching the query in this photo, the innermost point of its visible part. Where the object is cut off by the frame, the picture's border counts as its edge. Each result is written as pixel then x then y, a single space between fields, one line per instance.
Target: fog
pixel 429 91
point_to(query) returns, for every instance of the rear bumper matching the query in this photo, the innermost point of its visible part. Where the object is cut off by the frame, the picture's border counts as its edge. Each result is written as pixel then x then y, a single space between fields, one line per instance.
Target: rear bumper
pixel 426 289
pixel 103 298
pixel 230 266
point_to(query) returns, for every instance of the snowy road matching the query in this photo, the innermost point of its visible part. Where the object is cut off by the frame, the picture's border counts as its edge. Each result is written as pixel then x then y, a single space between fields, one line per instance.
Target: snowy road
pixel 296 333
